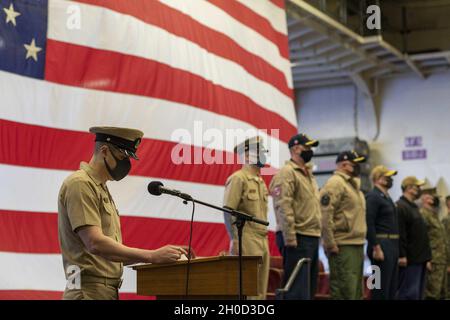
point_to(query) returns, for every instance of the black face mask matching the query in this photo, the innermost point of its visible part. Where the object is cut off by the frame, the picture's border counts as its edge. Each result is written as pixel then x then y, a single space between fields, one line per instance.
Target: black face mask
pixel 356 170
pixel 436 202
pixel 307 155
pixel 122 168
pixel 418 195
pixel 389 183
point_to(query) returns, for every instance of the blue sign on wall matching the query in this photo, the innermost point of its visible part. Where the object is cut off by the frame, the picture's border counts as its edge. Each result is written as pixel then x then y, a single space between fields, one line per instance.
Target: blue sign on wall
pixel 413 141
pixel 414 154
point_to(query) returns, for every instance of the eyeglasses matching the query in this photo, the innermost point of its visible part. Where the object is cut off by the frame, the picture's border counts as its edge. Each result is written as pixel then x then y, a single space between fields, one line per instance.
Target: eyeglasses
pixel 123 153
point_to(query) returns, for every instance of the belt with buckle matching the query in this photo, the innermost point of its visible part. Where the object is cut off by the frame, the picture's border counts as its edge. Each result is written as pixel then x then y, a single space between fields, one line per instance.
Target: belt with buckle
pixel 114 282
pixel 388 236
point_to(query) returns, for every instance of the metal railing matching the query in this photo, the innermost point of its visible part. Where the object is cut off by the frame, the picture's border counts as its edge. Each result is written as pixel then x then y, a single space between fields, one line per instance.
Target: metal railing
pixel 280 293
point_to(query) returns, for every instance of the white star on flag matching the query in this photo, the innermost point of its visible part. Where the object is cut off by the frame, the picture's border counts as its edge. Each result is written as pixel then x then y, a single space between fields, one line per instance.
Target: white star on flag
pixel 11 15
pixel 32 50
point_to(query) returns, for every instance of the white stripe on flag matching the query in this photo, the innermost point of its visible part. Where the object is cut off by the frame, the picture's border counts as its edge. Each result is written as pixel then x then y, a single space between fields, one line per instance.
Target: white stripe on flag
pixel 31 272
pixel 45 272
pixel 108 30
pixel 214 18
pixel 77 109
pixel 266 9
pixel 130 195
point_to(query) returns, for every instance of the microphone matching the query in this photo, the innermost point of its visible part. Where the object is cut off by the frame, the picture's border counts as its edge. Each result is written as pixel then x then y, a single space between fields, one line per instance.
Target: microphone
pixel 157 188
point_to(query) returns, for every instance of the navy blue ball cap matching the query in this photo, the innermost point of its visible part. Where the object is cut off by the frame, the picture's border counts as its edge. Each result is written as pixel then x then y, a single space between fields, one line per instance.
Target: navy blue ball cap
pixel 302 139
pixel 351 156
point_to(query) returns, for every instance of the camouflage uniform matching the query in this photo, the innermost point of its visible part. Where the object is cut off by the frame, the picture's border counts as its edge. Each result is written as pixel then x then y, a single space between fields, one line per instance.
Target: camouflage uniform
pixel 436 283
pixel 446 223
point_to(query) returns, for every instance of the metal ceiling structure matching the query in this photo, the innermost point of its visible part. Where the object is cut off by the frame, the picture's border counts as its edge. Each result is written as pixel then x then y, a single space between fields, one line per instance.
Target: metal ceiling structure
pixel 325 52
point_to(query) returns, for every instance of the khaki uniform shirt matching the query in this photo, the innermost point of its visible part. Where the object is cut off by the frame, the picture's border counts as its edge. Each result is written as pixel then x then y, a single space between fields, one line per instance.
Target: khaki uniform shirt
pixel 247 192
pixel 84 201
pixel 343 211
pixel 296 201
pixel 437 234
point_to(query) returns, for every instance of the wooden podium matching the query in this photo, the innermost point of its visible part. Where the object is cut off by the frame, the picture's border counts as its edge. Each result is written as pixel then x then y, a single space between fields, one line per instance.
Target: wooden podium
pixel 209 278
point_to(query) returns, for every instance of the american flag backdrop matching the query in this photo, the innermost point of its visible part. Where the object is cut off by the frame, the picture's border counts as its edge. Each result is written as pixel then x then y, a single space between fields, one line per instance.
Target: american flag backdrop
pixel 153 65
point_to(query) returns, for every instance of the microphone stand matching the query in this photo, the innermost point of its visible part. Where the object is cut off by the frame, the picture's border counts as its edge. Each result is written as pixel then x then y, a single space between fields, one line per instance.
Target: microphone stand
pixel 241 219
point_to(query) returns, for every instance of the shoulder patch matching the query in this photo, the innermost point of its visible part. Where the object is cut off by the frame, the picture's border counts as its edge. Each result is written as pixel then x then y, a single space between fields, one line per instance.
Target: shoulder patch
pixel 325 200
pixel 276 191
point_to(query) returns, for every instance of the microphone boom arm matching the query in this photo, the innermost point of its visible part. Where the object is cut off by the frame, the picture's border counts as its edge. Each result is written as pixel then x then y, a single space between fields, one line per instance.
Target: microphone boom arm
pixel 235 213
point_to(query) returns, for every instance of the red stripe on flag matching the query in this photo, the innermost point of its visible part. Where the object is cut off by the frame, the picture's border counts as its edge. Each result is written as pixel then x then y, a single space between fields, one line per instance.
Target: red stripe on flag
pixel 253 20
pixel 30 295
pixel 180 24
pixel 28 232
pixel 279 3
pixel 134 296
pixel 42 147
pixel 112 71
pixel 38 233
pixel 56 295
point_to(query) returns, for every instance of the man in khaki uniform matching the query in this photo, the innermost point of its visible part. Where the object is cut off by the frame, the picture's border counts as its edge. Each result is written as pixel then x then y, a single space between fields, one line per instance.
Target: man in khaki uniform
pixel 297 208
pixel 344 227
pixel 89 225
pixel 436 278
pixel 246 191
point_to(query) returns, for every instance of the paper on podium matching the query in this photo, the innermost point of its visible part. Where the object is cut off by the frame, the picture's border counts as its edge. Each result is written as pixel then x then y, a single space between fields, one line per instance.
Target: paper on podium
pixel 182 258
pixel 137 264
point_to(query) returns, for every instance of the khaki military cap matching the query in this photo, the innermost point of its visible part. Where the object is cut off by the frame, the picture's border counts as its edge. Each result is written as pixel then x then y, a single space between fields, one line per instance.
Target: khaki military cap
pixel 125 139
pixel 382 171
pixel 412 181
pixel 254 142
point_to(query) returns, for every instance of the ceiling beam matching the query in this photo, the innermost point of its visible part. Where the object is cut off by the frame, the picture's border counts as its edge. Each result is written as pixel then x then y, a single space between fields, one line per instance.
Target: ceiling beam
pixel 316 51
pixel 313 42
pixel 378 72
pixel 333 35
pixel 362 66
pixel 432 55
pixel 322 83
pixel 307 13
pixel 308 62
pixel 302 31
pixel 317 76
pixel 342 64
pixel 315 69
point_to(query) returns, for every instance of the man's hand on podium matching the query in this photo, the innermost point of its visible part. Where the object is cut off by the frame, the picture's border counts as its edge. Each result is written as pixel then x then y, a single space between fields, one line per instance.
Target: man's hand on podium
pixel 165 254
pixel 183 257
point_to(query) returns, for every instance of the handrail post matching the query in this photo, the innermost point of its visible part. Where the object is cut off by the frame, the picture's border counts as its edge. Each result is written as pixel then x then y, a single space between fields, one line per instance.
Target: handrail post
pixel 280 293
